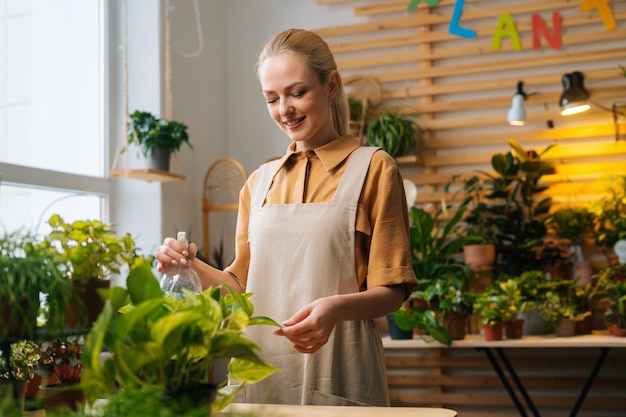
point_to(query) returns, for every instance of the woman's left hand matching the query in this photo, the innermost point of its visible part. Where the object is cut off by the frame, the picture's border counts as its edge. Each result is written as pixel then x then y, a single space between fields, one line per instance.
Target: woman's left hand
pixel 310 328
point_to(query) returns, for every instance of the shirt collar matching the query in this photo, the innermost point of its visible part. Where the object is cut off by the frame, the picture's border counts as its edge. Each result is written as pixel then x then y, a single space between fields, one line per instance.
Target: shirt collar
pixel 331 154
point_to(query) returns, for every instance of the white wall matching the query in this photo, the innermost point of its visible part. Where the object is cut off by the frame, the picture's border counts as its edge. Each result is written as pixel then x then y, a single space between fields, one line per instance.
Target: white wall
pixel 217 94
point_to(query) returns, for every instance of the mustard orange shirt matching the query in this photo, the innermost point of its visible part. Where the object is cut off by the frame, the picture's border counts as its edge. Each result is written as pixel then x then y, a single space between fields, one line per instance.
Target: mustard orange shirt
pixel 382 230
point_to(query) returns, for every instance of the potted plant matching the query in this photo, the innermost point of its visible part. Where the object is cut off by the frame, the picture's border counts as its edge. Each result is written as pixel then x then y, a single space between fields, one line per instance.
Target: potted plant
pixel 514 325
pixel 27 269
pixel 61 358
pixel 454 305
pixel 394 133
pixel 481 255
pixel 517 207
pixel 171 345
pixel 559 309
pixel 555 259
pixel 156 138
pixel 91 252
pixel 493 308
pixel 610 225
pixel 434 243
pixel 574 225
pixel 424 320
pixel 19 371
pixel 613 287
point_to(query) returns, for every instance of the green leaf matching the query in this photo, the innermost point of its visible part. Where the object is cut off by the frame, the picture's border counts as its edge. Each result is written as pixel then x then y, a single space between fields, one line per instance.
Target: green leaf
pixel 142 284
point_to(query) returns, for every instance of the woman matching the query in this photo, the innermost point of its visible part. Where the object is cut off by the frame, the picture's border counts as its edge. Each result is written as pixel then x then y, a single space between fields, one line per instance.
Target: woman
pixel 321 242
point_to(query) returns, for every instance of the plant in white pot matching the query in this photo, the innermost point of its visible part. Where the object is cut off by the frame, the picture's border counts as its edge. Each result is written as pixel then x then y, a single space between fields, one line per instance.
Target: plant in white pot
pixel 156 138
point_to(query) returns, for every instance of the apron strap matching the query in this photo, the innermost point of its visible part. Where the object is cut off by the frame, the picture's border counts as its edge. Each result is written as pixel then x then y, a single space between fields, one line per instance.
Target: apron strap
pixel 264 177
pixel 351 184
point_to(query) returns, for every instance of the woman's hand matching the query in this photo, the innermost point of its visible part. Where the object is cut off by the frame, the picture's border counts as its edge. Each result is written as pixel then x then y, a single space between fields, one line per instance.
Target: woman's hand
pixel 172 253
pixel 310 328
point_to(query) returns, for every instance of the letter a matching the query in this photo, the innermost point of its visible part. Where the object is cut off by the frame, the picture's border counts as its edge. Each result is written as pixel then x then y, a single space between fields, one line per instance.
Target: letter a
pixel 539 26
pixel 454 28
pixel 505 27
pixel 603 8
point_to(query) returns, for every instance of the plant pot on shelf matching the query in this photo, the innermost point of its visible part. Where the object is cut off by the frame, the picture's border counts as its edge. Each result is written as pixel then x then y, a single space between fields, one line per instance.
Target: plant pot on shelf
pixel 480 257
pixel 565 328
pixel 159 159
pixel 92 301
pixel 59 397
pixel 584 326
pixel 493 332
pixel 514 329
pixel 534 324
pixel 395 332
pixel 456 325
pixel 616 331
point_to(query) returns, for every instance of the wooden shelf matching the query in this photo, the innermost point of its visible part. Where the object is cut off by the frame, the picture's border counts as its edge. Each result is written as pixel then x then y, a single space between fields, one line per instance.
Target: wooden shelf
pixel 149 175
pixel 412 160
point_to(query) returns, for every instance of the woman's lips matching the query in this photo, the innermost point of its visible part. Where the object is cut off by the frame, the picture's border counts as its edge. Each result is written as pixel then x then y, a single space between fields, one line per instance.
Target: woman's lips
pixel 293 123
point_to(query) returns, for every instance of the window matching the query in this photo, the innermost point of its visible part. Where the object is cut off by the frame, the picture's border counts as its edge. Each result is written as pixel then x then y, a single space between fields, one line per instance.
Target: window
pixel 52 111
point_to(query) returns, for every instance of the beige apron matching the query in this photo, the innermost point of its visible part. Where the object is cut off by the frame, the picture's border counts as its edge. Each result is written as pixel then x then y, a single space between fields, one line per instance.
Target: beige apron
pixel 299 253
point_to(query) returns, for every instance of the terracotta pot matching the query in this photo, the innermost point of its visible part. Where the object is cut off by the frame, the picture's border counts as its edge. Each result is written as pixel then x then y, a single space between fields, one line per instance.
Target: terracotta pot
pixel 616 331
pixel 57 397
pixel 514 329
pixel 493 333
pixel 456 325
pixel 480 257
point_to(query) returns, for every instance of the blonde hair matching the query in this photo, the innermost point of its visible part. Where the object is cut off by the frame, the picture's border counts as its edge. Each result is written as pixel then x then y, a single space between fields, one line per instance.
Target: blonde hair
pixel 319 59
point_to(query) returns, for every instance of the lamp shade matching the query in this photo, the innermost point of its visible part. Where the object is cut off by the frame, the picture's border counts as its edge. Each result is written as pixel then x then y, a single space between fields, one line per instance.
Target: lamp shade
pixel 575 96
pixel 517 113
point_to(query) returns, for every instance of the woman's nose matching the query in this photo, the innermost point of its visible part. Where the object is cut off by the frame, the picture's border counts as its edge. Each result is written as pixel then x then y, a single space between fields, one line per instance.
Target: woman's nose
pixel 286 107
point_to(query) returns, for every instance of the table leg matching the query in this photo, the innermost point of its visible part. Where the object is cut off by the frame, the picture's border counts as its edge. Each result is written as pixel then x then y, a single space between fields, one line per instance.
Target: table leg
pixel 517 381
pixel 592 376
pixel 505 382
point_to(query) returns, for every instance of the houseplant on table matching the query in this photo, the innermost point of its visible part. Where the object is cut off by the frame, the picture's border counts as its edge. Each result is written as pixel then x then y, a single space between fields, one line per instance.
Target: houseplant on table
pixel 493 308
pixel 433 242
pixel 613 287
pixel 478 222
pixel 91 252
pixel 156 138
pixel 61 358
pixel 574 226
pixel 16 375
pixel 610 225
pixel 559 308
pixel 517 206
pixel 169 346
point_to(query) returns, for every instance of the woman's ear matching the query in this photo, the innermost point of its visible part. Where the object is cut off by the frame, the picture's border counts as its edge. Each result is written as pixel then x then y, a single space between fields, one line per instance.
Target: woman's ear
pixel 333 84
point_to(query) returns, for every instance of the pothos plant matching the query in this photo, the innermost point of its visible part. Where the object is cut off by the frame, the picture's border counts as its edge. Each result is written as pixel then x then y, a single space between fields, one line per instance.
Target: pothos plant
pixel 171 345
pixel 23 359
pixel 91 250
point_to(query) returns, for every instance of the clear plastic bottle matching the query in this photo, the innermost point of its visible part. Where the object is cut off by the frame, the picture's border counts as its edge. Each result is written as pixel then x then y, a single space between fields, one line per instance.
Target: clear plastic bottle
pixel 181 276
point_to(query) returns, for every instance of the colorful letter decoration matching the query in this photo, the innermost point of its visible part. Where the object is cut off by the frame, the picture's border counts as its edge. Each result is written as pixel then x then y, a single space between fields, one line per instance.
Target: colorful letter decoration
pixel 603 8
pixel 454 28
pixel 414 4
pixel 505 27
pixel 539 26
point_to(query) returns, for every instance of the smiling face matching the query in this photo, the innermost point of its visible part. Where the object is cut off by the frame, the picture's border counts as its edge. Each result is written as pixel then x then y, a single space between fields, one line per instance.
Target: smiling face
pixel 297 101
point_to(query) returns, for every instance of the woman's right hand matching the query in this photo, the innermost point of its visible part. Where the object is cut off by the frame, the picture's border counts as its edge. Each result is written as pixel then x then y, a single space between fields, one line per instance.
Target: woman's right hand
pixel 173 252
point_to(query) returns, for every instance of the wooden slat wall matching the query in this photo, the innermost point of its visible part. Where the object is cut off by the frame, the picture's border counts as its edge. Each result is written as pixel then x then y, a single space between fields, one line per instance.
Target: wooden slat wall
pixel 459 90
pixel 463 380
